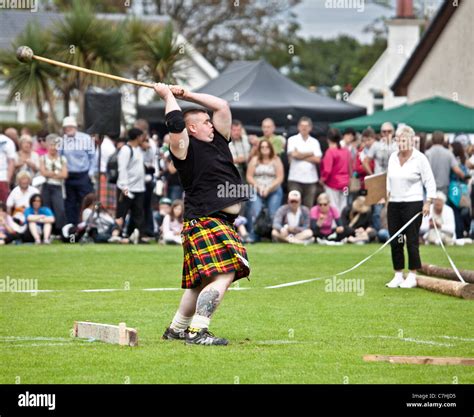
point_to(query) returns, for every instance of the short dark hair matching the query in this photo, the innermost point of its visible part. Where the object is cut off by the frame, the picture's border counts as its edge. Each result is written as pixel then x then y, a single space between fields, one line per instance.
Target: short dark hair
pixel 236 122
pixel 34 197
pixel 368 133
pixel 193 110
pixel 305 119
pixel 134 133
pixel 349 131
pixel 437 138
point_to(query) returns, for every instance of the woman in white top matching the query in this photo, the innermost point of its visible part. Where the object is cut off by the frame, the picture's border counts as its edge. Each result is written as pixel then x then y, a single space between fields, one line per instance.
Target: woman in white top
pixel 408 175
pixel 54 168
pixel 26 159
pixel 173 223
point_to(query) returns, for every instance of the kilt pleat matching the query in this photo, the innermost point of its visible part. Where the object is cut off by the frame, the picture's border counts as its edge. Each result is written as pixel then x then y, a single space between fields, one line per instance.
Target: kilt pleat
pixel 211 246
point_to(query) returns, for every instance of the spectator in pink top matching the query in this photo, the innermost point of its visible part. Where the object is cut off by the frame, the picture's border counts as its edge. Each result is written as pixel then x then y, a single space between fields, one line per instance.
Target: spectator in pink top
pixel 336 170
pixel 325 220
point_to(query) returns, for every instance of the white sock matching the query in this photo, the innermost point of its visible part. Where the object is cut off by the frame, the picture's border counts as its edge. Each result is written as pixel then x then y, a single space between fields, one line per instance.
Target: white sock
pixel 180 322
pixel 398 274
pixel 200 322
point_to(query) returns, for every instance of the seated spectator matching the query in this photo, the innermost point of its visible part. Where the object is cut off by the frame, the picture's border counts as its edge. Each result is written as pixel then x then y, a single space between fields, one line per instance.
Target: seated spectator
pixel 292 223
pixel 164 208
pixel 173 223
pixel 443 216
pixel 19 199
pixel 240 224
pixel 40 221
pixel 26 159
pixel 7 226
pixel 102 226
pixel 53 167
pixel 357 222
pixel 265 174
pixel 325 220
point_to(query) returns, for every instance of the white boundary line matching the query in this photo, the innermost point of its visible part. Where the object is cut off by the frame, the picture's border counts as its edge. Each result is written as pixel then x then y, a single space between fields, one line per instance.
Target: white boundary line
pixel 412 340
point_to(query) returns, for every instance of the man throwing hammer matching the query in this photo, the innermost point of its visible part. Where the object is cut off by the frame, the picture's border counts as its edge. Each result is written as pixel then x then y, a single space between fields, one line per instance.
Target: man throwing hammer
pixel 214 255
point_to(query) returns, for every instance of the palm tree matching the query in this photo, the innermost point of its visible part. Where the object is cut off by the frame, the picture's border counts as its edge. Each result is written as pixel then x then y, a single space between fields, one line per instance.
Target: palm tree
pixel 83 40
pixel 32 81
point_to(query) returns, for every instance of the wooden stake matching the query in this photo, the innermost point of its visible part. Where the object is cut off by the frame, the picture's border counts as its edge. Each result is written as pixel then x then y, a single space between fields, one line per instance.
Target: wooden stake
pixel 420 360
pixel 447 273
pixel 442 286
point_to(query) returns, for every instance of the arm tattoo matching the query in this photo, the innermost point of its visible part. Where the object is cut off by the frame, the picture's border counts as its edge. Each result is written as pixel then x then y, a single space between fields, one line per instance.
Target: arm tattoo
pixel 207 302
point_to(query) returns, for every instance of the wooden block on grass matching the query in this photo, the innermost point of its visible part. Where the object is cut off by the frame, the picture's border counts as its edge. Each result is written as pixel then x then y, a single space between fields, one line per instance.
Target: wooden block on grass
pixel 420 360
pixel 108 333
pixel 447 273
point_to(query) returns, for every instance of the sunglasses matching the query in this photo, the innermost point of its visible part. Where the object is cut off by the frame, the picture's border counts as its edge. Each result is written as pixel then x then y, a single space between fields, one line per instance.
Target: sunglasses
pixel 323 204
pixel 387 131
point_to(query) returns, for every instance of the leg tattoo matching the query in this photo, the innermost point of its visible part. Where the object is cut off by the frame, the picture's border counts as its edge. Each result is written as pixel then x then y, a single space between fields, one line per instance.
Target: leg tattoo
pixel 207 302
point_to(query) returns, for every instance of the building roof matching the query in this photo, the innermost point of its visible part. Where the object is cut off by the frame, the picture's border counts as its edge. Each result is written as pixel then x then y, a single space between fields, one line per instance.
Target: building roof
pixel 433 32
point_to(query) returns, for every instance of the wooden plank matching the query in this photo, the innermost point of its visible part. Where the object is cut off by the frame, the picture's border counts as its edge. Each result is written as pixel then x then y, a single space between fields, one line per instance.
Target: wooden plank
pixel 447 273
pixel 376 186
pixel 420 360
pixel 442 286
pixel 108 333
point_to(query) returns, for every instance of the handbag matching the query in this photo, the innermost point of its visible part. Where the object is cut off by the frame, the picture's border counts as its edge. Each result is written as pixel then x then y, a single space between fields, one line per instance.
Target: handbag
pixel 263 223
pixel 458 194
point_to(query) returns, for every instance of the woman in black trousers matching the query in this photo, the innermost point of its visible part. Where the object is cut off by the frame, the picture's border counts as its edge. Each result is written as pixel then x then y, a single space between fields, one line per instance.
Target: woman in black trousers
pixel 409 174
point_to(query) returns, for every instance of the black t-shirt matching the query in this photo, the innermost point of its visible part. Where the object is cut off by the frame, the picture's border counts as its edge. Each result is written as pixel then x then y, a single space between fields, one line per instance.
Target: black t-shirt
pixel 209 177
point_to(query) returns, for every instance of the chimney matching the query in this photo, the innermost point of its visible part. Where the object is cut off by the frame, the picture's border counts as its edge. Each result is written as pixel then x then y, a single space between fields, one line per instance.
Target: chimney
pixel 405 9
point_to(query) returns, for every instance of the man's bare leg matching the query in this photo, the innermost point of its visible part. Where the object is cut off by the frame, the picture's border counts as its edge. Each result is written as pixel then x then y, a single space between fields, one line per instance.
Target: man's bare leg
pixel 187 308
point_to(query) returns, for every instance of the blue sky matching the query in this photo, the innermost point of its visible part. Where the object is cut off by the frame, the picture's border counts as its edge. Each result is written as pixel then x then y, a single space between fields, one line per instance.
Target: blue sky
pixel 317 20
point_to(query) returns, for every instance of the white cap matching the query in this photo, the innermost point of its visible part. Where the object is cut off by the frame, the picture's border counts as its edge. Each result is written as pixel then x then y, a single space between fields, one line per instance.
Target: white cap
pixel 69 121
pixel 294 195
pixel 440 196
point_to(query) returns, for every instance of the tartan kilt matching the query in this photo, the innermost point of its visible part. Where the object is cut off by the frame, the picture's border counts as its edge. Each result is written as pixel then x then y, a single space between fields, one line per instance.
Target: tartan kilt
pixel 108 194
pixel 211 246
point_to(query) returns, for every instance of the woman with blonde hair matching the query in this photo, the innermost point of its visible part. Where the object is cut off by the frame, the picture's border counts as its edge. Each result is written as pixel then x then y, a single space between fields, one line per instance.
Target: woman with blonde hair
pixel 26 159
pixel 409 174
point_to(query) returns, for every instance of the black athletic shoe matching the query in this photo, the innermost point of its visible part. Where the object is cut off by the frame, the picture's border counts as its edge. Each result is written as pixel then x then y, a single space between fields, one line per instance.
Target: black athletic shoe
pixel 203 337
pixel 171 334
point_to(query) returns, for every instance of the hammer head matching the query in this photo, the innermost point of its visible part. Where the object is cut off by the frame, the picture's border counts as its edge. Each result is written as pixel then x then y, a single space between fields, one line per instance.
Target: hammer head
pixel 24 54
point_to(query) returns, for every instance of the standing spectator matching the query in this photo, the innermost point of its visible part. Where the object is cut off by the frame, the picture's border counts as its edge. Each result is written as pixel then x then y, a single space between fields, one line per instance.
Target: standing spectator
pixel 53 167
pixel 442 162
pixel 458 195
pixel 40 221
pixel 304 153
pixel 325 219
pixel 41 147
pixel 7 226
pixel 7 165
pixel 443 216
pixel 292 222
pixel 380 153
pixel 239 147
pixel 278 141
pixel 79 150
pixel 349 141
pixel 265 175
pixel 175 190
pixel 408 173
pixel 108 191
pixel 368 139
pixel 336 170
pixel 12 133
pixel 150 160
pixel 26 159
pixel 173 223
pixel 131 181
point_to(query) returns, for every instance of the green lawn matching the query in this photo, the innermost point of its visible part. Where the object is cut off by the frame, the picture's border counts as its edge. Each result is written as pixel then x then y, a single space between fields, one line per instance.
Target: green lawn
pixel 298 334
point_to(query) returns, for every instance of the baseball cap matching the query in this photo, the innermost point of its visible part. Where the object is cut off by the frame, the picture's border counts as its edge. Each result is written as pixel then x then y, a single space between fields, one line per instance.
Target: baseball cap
pixel 165 200
pixel 69 121
pixel 294 196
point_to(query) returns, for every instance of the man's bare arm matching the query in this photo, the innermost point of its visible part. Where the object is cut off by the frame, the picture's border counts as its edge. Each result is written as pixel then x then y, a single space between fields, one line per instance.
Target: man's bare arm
pixel 222 117
pixel 179 142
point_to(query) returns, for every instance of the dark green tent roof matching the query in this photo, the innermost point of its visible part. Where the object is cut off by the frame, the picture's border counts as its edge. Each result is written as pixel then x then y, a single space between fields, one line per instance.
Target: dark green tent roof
pixel 436 113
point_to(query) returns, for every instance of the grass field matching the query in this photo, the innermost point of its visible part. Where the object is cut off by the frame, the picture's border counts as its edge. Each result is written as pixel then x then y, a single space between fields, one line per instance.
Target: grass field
pixel 298 334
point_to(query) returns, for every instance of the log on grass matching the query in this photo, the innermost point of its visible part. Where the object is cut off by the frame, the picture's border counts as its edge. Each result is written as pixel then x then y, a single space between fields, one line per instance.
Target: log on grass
pixel 108 333
pixel 442 286
pixel 420 360
pixel 448 273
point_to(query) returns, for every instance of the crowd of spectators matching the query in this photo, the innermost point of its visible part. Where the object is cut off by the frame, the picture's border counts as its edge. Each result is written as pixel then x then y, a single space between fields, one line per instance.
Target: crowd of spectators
pixel 304 189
